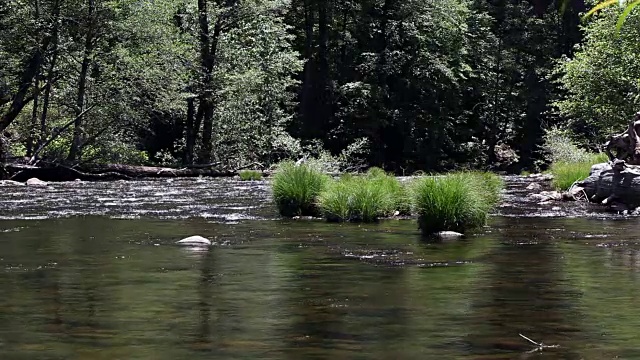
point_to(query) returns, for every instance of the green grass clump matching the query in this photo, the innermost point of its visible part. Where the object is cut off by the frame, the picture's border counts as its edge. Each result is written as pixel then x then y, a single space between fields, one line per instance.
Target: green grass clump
pixel 249 175
pixel 296 189
pixel 456 201
pixel 566 173
pixel 364 198
pixel 399 200
pixel 336 201
pixel 492 185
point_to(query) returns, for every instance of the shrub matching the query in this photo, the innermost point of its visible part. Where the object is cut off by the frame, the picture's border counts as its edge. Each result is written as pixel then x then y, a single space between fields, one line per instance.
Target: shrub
pixel 559 146
pixel 456 201
pixel 250 175
pixel 569 163
pixel 296 189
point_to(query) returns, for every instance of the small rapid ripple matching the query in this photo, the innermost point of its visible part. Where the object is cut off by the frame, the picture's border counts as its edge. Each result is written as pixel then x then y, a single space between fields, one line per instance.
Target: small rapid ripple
pixel 224 199
pixel 516 202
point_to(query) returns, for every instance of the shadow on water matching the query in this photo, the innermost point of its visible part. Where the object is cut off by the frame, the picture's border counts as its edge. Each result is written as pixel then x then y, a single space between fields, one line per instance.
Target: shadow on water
pixel 99 287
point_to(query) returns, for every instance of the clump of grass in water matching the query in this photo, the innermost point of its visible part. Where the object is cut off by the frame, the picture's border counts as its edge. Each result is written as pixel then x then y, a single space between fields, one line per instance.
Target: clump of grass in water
pixel 455 202
pixel 399 200
pixel 363 198
pixel 335 201
pixel 566 173
pixel 296 189
pixel 249 175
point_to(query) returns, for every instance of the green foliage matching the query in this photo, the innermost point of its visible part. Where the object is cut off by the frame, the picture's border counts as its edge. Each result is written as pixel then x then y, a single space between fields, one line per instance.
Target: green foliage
pixel 559 146
pixel 569 163
pixel 433 84
pixel 601 79
pixel 364 198
pixel 566 173
pixel 349 159
pixel 250 175
pixel 491 188
pixel 354 198
pixel 296 189
pixel 114 152
pixel 254 81
pixel 399 199
pixel 456 201
pixel 626 7
pixel 57 149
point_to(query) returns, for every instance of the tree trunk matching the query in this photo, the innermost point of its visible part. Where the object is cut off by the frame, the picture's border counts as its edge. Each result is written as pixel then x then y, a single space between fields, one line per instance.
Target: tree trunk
pixel 324 79
pixel 78 131
pixel 50 73
pixel 208 102
pixel 306 112
pixel 21 98
pixel 190 132
pixel 206 64
pixel 33 130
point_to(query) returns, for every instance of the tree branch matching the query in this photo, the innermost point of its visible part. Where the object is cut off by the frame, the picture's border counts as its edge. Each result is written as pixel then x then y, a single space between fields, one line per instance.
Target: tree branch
pixel 57 133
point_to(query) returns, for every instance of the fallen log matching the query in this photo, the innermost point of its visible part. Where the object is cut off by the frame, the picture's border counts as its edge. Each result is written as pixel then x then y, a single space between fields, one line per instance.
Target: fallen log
pixel 22 172
pixel 613 184
pixel 97 172
pixel 155 172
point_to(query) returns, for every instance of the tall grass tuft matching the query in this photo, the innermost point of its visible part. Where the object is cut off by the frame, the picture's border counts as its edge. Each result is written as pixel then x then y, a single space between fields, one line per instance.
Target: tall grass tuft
pixel 250 175
pixel 336 201
pixel 455 202
pixel 364 198
pixel 296 189
pixel 491 188
pixel 399 201
pixel 566 173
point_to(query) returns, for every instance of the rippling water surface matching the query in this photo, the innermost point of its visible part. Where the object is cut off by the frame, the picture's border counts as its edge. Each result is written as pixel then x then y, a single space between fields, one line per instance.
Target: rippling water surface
pixel 90 271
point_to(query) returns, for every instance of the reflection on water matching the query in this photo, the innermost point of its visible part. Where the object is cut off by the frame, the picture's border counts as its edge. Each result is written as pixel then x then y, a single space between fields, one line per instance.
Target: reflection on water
pixel 100 288
pixel 111 283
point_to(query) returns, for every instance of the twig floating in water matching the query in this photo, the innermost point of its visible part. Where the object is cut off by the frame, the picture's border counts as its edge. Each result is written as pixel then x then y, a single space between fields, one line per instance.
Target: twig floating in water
pixel 539 346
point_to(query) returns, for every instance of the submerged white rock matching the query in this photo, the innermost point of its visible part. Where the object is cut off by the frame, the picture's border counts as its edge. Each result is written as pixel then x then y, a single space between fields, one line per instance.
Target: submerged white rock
pixel 196 240
pixel 36 182
pixel 449 235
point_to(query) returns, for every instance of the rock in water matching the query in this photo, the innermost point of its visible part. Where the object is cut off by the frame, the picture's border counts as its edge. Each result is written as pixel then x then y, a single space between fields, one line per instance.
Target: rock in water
pixel 449 235
pixel 36 182
pixel 534 187
pixel 194 241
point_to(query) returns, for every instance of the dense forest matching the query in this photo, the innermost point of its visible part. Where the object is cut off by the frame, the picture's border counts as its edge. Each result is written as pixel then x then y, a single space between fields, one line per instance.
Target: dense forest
pixel 405 85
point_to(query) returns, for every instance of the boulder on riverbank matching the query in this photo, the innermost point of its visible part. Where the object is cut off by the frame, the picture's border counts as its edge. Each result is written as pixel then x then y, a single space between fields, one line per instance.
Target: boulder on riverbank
pixel 615 184
pixel 36 182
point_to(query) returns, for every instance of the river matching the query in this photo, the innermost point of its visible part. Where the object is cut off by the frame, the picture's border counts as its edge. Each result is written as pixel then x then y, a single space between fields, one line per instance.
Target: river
pixel 91 271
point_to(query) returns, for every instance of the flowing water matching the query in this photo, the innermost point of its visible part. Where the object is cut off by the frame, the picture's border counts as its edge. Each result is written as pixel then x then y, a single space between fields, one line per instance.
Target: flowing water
pixel 91 271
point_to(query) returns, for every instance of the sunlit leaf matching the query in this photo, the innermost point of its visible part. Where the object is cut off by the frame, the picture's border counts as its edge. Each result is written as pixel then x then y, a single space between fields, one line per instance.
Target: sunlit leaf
pixel 600 6
pixel 626 13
